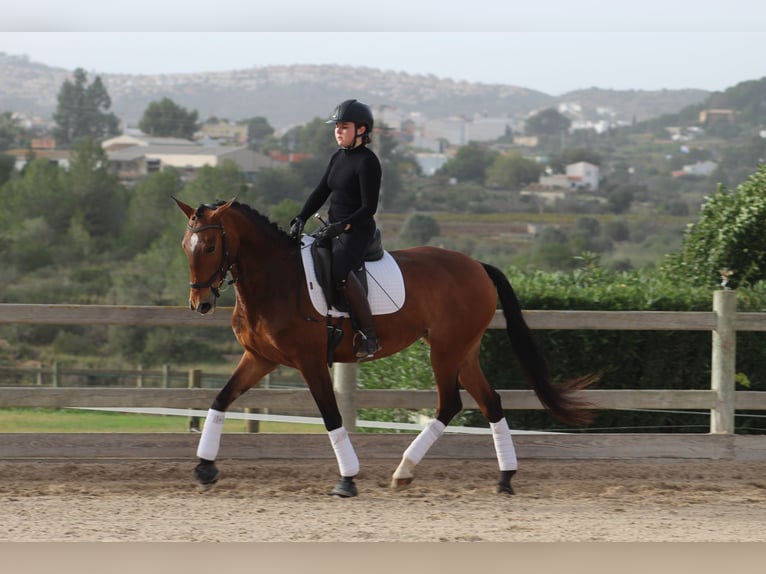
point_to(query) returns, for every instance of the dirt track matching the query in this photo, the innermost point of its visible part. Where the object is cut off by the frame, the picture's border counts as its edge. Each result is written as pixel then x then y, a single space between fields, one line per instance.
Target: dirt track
pixel 449 501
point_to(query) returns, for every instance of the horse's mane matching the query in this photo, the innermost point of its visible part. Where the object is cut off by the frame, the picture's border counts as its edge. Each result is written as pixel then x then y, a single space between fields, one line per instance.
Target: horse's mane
pixel 252 214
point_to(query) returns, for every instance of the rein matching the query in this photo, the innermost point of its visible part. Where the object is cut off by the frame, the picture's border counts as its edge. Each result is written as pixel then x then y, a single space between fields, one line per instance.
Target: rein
pixel 220 274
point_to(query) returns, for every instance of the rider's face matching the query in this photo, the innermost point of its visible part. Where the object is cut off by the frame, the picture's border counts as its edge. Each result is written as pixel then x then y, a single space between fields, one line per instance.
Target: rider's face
pixel 345 134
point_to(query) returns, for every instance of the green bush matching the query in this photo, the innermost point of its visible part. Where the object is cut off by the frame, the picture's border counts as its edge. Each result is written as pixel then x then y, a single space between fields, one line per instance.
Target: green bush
pixel 730 234
pixel 625 359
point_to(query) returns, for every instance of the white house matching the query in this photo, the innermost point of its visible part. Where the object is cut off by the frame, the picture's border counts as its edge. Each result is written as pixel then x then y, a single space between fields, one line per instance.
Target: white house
pixel 583 175
pixel 579 176
pixel 701 168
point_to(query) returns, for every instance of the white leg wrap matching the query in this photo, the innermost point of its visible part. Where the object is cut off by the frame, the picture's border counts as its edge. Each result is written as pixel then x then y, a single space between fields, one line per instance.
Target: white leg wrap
pixel 424 441
pixel 506 453
pixel 418 449
pixel 348 463
pixel 210 440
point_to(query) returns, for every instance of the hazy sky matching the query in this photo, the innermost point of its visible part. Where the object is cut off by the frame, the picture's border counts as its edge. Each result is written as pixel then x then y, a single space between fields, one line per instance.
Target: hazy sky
pixel 549 45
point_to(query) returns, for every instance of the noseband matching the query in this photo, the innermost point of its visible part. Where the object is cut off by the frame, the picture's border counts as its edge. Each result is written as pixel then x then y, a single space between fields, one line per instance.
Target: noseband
pixel 220 274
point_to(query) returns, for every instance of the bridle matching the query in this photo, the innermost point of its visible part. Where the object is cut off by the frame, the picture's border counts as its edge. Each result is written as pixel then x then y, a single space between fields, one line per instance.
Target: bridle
pixel 219 276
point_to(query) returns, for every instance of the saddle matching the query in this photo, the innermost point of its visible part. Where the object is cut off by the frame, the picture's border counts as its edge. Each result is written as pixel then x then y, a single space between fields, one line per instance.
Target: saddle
pixel 321 254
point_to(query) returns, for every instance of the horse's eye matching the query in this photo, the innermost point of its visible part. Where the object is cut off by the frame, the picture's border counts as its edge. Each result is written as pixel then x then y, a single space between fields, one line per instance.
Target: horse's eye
pixel 210 248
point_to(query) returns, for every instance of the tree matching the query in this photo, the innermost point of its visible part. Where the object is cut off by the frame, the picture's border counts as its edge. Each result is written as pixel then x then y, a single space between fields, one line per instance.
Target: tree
pixel 258 129
pixel 101 197
pixel 82 111
pixel 277 184
pixel 470 163
pixel 574 155
pixel 730 234
pixel 548 122
pixel 10 131
pixel 419 229
pixel 394 163
pixel 513 171
pixel 219 182
pixel 150 209
pixel 314 138
pixel 167 119
pixel 7 165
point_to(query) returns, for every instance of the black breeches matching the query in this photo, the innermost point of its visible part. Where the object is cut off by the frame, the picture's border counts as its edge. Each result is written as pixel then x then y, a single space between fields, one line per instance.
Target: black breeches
pixel 348 254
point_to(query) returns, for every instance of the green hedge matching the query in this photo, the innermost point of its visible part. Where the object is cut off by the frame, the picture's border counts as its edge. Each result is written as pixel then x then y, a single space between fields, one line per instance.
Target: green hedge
pixel 625 359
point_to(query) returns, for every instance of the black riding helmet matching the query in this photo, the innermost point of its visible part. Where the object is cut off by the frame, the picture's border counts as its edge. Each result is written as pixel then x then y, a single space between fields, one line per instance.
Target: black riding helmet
pixel 355 112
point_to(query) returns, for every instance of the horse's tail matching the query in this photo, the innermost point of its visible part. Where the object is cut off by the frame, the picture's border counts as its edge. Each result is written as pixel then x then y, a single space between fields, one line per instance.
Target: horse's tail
pixel 560 399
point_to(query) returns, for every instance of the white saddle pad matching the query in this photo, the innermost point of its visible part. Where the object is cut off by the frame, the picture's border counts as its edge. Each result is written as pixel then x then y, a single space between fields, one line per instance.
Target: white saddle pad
pixel 385 284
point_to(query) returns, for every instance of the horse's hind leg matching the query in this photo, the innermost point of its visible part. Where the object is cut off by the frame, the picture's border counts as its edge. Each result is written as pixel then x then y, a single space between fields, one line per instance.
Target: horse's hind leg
pixel 472 379
pixel 448 406
pixel 249 371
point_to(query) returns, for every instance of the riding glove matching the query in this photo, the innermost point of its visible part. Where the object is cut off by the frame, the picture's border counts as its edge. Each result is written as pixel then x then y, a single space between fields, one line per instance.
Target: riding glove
pixel 296 227
pixel 329 231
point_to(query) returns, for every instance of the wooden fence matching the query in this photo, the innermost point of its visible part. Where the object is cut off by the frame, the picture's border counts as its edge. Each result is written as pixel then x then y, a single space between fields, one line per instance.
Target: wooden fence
pixel 721 399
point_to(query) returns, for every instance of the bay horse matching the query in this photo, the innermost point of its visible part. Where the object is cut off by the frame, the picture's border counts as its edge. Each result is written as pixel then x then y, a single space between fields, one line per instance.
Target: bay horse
pixel 450 300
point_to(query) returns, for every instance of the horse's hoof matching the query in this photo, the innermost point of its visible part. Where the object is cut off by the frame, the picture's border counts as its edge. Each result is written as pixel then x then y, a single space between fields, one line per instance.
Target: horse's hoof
pixel 345 488
pixel 505 489
pixel 504 484
pixel 401 483
pixel 206 474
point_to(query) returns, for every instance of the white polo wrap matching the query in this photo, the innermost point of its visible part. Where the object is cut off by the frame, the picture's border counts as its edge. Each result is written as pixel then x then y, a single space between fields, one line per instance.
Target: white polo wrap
pixel 506 453
pixel 348 463
pixel 210 441
pixel 424 441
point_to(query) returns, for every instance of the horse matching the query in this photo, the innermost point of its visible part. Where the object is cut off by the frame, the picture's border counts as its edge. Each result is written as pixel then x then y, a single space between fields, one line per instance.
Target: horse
pixel 450 301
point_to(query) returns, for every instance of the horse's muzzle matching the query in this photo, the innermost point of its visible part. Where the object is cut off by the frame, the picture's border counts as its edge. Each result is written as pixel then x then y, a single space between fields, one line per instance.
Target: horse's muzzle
pixel 202 305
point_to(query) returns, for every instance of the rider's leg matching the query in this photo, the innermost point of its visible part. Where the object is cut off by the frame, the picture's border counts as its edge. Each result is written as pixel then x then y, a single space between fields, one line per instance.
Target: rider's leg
pixel 359 308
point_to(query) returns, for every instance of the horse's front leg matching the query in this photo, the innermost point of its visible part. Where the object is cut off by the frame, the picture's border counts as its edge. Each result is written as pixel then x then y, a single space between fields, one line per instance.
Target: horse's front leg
pixel 250 370
pixel 320 384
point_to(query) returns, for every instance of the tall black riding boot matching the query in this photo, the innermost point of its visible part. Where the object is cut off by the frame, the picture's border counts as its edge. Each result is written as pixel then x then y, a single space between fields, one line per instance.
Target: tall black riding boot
pixel 359 308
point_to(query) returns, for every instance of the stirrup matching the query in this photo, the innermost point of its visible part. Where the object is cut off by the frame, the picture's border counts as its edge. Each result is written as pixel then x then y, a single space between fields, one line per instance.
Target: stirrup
pixel 367 348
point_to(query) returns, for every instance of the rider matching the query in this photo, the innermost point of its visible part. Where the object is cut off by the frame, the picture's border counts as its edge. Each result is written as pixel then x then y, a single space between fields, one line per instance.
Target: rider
pixel 352 183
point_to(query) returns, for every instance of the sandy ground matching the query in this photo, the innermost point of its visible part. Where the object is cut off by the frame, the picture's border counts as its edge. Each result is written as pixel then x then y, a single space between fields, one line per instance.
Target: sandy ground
pixel 451 501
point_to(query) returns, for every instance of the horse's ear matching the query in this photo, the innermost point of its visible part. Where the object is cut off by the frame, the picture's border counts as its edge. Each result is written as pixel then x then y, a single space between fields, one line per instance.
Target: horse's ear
pixel 187 209
pixel 227 205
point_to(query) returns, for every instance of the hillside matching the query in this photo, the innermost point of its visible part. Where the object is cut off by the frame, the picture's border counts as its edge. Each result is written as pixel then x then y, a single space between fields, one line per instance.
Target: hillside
pixel 292 95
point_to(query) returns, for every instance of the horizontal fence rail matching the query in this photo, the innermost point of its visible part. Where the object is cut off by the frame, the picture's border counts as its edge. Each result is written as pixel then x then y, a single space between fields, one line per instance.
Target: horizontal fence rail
pixel 721 400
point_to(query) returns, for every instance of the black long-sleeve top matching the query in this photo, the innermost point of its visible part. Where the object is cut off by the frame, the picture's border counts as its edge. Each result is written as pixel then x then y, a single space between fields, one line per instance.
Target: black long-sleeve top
pixel 352 183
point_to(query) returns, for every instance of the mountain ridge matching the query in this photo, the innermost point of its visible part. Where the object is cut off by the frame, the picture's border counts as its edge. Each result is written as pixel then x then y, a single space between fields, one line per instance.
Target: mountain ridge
pixel 288 95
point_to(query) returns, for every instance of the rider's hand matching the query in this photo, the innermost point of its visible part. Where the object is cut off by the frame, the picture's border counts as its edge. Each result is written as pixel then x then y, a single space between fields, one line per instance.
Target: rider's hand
pixel 296 227
pixel 330 231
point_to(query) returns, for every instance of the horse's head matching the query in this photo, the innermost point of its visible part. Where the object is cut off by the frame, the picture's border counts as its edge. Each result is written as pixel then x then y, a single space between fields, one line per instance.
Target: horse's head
pixel 207 250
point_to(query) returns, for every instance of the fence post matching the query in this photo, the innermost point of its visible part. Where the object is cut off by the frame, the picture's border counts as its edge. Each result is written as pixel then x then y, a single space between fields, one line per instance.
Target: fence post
pixel 195 382
pixel 140 377
pixel 723 362
pixel 55 374
pixel 344 383
pixel 165 376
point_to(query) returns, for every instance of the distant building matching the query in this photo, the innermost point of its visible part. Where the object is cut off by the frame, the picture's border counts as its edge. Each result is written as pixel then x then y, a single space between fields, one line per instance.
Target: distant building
pixel 487 129
pixel 59 157
pixel 225 132
pixel 699 169
pixel 128 140
pixel 579 176
pixel 133 157
pixel 583 175
pixel 714 115
pixel 430 163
